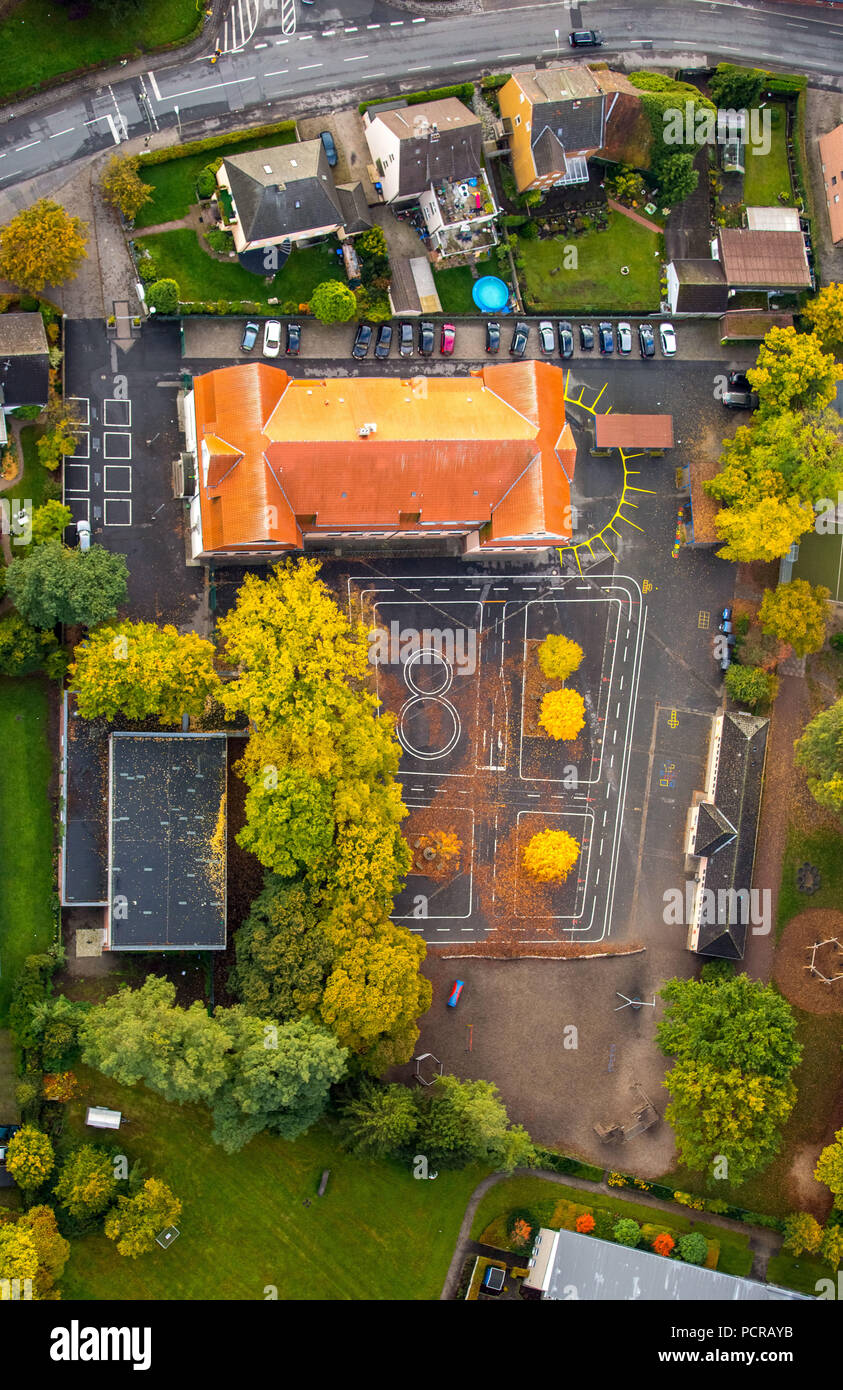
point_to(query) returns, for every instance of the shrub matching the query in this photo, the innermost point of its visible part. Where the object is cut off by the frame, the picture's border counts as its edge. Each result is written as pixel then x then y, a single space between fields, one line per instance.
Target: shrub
pixel 206 182
pixel 604 1223
pixel 836 642
pixel 333 302
pixel 522 1227
pixel 163 296
pixel 219 240
pixel 585 1224
pixel 663 1243
pixel 626 1232
pixel 147 270
pixel 693 1248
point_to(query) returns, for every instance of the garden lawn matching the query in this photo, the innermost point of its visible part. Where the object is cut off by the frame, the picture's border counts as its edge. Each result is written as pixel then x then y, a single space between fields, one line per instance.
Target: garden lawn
pixel 803 1274
pixel 179 256
pixel 454 288
pixel 767 175
pixel 39 41
pixel 540 1197
pixel 26 829
pixel 596 286
pixel 37 483
pixel 174 182
pixel 378 1233
pixel 823 848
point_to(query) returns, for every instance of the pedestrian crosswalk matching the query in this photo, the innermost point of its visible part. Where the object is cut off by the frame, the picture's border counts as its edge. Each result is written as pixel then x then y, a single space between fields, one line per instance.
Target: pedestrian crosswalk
pixel 240 25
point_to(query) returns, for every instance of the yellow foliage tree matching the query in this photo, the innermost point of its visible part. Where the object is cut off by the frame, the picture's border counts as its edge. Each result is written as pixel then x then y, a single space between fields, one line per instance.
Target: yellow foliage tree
pixel 796 613
pixel 562 713
pixel 765 531
pixel 29 1157
pixel 142 670
pixel 551 855
pixel 559 656
pixel 41 246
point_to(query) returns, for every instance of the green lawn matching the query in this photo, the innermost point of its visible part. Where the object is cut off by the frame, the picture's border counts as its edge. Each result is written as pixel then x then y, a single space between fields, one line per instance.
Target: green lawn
pixel 378 1233
pixel 540 1197
pixel 26 829
pixel 596 284
pixel 824 848
pixel 37 483
pixel 174 182
pixel 767 175
pixel 802 1275
pixel 454 288
pixel 180 257
pixel 39 41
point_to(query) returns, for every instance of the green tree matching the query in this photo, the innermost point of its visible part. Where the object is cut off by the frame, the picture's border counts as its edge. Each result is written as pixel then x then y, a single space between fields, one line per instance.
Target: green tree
pixel 719 1114
pixel 796 613
pixel 86 1184
pixel 333 302
pixel 380 1120
pixel 30 1158
pixel 736 1022
pixel 825 314
pixel 820 753
pixel 735 87
pixel 163 296
pixel 279 1077
pixel 466 1121
pixel 142 1035
pixel 123 187
pixel 831 1245
pixel 751 685
pixel 143 671
pixel 765 531
pixel 693 1248
pixel 23 648
pixel 52 584
pixel 783 454
pixel 677 178
pixel 41 246
pixel 801 1233
pixel 55 443
pixel 136 1221
pixel 829 1168
pixel 627 1232
pixel 49 521
pixel 793 373
pixel 283 954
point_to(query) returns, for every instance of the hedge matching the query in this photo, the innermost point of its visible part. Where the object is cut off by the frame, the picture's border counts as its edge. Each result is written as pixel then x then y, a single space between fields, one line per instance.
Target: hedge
pixel 213 142
pixel 716 1205
pixel 561 1163
pixel 785 83
pixel 496 80
pixel 463 90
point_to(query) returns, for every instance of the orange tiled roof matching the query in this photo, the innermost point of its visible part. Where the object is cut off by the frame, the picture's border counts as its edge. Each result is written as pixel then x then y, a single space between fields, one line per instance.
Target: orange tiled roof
pixel 490 449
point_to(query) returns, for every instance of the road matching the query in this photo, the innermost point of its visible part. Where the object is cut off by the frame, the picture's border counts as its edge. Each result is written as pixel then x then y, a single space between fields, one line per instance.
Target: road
pixel 375 47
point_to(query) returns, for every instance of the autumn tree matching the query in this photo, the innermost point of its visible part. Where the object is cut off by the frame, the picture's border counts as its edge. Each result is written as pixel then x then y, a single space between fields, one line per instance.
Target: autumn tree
pixel 24 648
pixel 793 373
pixel 781 454
pixel 585 1223
pixel 550 856
pixel 135 1221
pixel 765 531
pixel 42 245
pixel 820 753
pixel 123 187
pixel 796 613
pixel 51 1249
pixel 562 713
pixel 663 1243
pixel 30 1158
pixel 52 584
pixel 831 1245
pixel 466 1121
pixel 143 671
pixel 825 314
pixel 86 1184
pixel 18 1258
pixel 380 1120
pixel 751 685
pixel 802 1233
pixel 333 302
pixel 559 656
pixel 726 1114
pixel 829 1168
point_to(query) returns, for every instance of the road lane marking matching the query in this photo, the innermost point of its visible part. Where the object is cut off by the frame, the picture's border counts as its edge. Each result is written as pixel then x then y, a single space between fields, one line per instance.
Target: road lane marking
pixel 27 147
pixel 62 132
pixel 359 58
pixel 305 66
pixel 281 72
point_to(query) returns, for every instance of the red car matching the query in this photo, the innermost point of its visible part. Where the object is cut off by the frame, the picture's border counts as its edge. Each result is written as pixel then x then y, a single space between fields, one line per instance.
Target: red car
pixel 447 339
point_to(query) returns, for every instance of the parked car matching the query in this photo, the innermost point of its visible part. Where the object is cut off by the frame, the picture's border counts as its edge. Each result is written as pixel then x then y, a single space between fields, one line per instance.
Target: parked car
pixel 585 38
pixel 646 340
pixel 362 340
pixel 725 624
pixel 741 400
pixel 668 339
pixel 606 336
pixel 426 338
pixel 383 341
pixel 293 344
pixel 624 337
pixel 447 338
pixel 725 658
pixel 251 333
pixel 405 339
pixel 272 338
pixel 738 381
pixel 83 534
pixel 547 342
pixel 566 338
pixel 520 335
pixel 454 996
pixel 329 147
pixel 586 337
pixel 493 335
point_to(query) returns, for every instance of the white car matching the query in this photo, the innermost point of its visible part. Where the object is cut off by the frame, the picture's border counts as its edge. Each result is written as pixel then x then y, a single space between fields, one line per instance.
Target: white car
pixel 668 339
pixel 546 336
pixel 624 337
pixel 272 338
pixel 83 533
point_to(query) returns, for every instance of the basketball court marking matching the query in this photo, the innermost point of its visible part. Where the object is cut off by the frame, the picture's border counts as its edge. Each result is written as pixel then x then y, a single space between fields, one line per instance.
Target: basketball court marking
pixel 83 443
pixel 74 471
pixel 117 446
pixel 80 417
pixel 117 477
pixel 120 413
pixel 117 511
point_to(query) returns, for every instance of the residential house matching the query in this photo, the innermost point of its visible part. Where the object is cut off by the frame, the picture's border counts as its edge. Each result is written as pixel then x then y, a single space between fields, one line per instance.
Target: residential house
pixel 831 158
pixel 432 154
pixel 556 119
pixel 766 257
pixel 479 463
pixel 287 194
pixel 24 364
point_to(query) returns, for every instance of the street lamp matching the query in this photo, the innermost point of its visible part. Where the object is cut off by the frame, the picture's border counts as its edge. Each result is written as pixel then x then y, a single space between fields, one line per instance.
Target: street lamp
pixel 178 119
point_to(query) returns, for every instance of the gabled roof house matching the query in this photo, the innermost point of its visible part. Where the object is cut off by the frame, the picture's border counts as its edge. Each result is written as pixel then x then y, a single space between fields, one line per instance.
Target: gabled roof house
pixel 287 193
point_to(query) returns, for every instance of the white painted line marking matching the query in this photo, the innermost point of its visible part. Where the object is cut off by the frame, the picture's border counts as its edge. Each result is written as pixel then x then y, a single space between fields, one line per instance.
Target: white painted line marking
pixel 605 814
pixel 305 66
pixel 424 67
pixel 154 85
pixel 261 45
pixel 281 72
pixel 418 21
pixel 302 38
pixel 509 55
pixel 367 75
pixel 359 58
pixel 27 147
pixel 600 851
pixel 280 41
pixel 395 23
pixel 373 26
pixel 62 132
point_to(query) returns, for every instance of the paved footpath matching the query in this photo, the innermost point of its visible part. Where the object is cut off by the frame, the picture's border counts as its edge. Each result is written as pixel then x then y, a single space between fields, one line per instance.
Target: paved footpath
pixel 763 1243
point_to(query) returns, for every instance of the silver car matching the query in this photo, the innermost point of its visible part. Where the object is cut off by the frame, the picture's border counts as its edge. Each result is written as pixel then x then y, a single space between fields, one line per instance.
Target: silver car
pixel 624 337
pixel 546 336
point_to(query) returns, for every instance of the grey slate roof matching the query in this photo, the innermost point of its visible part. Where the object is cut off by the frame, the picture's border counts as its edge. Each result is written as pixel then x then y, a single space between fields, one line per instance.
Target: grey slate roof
pixel 702 286
pixel 601 1271
pixel 713 830
pixel 24 361
pixel 355 209
pixel 297 194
